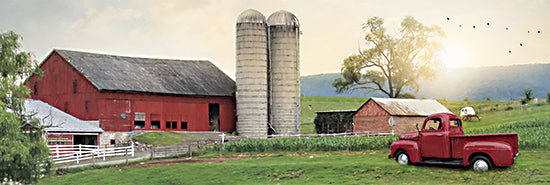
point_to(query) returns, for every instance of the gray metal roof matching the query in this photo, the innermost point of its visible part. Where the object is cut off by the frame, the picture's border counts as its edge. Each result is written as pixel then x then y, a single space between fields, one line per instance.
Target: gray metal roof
pixel 410 107
pixel 251 16
pixel 62 122
pixel 283 17
pixel 162 76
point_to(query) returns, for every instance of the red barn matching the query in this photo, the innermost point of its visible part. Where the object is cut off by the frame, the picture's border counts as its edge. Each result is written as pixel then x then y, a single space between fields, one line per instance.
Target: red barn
pixel 127 93
pixel 394 115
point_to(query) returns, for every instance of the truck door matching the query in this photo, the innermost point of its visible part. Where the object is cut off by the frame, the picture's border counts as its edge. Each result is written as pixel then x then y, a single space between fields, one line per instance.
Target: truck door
pixel 434 141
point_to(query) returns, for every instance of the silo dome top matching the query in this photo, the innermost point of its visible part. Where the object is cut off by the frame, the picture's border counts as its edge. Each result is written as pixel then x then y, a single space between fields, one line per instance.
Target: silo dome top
pixel 283 17
pixel 251 16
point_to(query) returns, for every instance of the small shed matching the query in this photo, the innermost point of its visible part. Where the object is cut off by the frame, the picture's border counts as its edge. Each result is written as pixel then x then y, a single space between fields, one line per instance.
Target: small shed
pixel 384 115
pixel 336 121
pixel 62 128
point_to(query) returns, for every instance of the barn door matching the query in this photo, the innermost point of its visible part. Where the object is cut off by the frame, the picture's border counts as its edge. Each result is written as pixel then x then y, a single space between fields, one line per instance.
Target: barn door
pixel 214 116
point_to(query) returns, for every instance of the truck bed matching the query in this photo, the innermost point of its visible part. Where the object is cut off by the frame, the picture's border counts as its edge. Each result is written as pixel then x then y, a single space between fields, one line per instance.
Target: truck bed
pixel 458 142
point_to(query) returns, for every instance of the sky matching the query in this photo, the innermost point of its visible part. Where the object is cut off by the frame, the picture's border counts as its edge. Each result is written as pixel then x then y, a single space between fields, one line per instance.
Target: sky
pixel 205 29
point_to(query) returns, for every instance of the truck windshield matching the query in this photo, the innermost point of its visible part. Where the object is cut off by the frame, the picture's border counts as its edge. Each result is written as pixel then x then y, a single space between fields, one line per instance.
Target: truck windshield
pixel 455 123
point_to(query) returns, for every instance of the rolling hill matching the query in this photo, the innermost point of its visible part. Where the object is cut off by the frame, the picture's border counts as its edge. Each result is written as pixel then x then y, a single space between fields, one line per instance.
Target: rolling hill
pixel 497 83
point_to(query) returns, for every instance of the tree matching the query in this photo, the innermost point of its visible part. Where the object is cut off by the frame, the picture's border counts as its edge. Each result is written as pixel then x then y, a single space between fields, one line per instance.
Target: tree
pixel 389 64
pixel 22 153
pixel 548 97
pixel 528 96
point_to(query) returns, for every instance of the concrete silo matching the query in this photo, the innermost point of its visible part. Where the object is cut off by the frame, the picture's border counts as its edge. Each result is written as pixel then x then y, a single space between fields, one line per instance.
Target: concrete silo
pixel 251 74
pixel 284 40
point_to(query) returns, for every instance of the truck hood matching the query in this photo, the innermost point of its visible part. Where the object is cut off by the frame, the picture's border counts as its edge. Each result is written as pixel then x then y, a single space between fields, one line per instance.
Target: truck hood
pixel 409 136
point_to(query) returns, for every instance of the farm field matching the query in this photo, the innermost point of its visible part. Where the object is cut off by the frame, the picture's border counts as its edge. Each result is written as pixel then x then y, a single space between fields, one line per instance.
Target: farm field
pixel 493 113
pixel 342 160
pixel 315 168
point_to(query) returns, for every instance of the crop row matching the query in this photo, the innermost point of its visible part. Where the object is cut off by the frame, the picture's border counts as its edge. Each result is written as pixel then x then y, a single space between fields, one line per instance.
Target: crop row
pixel 532 135
pixel 311 144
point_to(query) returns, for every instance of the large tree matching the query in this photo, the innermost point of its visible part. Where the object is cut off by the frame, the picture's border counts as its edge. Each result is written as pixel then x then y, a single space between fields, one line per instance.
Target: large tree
pixel 390 63
pixel 23 153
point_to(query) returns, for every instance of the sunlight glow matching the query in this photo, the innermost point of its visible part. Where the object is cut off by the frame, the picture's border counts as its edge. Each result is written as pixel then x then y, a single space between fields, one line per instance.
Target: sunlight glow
pixel 452 56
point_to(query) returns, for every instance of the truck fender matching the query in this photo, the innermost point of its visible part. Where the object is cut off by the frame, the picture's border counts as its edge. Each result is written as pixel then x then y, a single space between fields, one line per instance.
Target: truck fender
pixel 411 147
pixel 499 152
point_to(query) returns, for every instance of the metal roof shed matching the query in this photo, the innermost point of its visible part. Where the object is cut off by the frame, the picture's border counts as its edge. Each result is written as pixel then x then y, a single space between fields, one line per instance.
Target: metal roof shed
pixel 394 115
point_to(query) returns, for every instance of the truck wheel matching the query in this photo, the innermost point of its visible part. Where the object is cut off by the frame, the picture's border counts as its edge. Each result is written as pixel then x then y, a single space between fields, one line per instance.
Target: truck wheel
pixel 402 157
pixel 481 163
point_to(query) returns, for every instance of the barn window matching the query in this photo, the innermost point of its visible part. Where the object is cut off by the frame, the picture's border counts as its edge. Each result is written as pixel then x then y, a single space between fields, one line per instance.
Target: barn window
pixel 171 125
pixel 155 124
pixel 184 125
pixel 174 125
pixel 75 86
pixel 139 120
pixel 35 88
pixel 66 107
pixel 155 121
pixel 139 124
pixel 87 105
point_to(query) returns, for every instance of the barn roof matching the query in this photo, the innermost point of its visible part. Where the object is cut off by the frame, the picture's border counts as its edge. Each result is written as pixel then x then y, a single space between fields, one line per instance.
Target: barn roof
pixel 162 76
pixel 410 107
pixel 62 122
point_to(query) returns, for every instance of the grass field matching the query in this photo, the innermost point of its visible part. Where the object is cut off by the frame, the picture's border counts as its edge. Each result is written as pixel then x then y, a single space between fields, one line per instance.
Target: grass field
pixel 318 168
pixel 493 113
pixel 274 162
pixel 163 138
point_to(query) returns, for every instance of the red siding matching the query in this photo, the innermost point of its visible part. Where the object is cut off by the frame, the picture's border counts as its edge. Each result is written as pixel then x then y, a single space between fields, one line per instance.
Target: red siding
pixel 116 110
pixel 371 117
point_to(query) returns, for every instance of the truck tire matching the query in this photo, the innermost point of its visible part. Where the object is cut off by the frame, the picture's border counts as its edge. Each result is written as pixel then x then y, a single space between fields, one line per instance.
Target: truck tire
pixel 481 163
pixel 402 157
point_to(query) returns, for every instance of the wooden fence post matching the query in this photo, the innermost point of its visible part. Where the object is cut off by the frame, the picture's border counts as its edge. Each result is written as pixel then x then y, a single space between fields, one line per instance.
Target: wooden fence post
pixel 152 152
pixel 190 150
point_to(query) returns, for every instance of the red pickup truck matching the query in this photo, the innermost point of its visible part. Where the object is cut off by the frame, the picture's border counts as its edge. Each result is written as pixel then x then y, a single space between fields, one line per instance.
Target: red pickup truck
pixel 442 141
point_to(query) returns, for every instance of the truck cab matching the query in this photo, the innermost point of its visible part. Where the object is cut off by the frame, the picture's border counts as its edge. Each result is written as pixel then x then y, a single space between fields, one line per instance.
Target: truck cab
pixel 441 140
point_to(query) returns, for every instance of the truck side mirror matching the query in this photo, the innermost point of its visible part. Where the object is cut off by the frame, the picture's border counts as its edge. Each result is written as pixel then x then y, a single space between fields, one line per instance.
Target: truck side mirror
pixel 420 134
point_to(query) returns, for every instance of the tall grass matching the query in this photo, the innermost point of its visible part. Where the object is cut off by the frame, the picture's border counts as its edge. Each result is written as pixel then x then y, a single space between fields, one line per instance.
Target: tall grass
pixel 315 144
pixel 532 135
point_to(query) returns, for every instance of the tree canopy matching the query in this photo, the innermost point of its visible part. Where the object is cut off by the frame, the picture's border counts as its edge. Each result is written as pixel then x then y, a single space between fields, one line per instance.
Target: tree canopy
pixel 391 63
pixel 23 152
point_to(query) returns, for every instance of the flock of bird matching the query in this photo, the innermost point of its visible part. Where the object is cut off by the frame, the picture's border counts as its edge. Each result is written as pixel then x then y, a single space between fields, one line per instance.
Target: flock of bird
pixel 489 24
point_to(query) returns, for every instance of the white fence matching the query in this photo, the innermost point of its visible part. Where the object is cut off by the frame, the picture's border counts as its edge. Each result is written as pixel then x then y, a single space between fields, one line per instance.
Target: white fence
pixel 77 153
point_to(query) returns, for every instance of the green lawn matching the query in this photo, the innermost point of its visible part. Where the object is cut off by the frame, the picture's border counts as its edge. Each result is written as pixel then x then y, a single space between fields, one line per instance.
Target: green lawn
pixel 163 138
pixel 321 168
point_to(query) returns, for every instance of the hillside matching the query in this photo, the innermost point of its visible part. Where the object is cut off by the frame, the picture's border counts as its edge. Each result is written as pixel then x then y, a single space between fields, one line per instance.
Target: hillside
pixel 497 83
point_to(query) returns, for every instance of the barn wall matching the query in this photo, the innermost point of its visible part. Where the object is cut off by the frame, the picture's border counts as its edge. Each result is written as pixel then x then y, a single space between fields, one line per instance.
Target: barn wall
pixel 371 117
pixel 63 87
